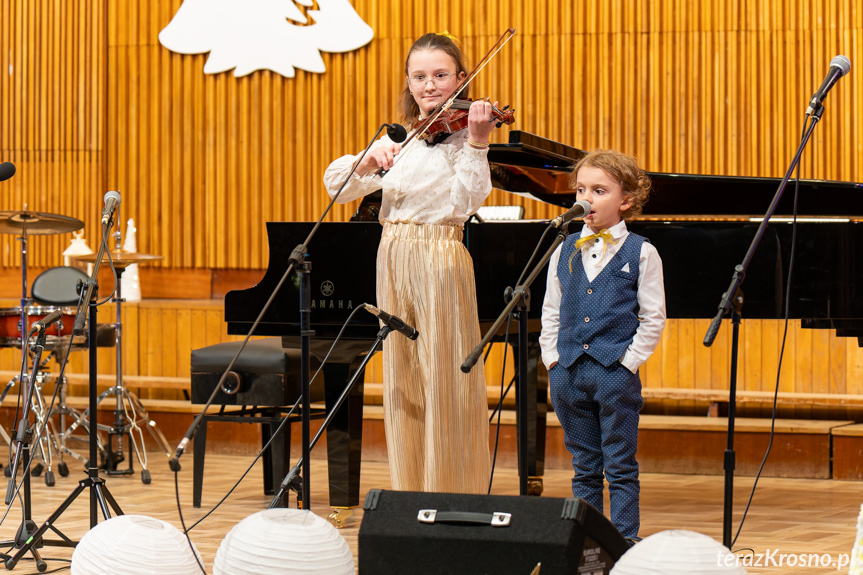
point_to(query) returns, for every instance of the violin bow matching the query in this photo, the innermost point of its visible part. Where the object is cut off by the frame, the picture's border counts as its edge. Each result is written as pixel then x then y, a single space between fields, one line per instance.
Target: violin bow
pixel 501 42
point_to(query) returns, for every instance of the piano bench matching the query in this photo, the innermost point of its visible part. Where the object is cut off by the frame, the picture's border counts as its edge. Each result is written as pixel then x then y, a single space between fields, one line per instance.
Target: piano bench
pixel 264 379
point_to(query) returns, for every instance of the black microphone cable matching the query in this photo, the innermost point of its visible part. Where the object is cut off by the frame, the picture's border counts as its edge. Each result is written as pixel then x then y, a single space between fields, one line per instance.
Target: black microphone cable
pixel 503 394
pixel 296 257
pixel 506 345
pixel 174 463
pixel 787 314
pixel 276 432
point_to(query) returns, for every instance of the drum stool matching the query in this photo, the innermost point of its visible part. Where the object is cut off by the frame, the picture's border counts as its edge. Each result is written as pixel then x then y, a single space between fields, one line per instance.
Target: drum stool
pixel 264 380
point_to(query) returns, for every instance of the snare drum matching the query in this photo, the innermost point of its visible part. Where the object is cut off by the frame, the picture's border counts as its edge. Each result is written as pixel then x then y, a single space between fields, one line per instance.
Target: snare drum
pixel 10 323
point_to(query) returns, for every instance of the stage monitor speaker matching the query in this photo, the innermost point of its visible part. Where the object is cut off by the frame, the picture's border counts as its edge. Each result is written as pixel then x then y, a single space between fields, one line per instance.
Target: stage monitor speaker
pixel 447 533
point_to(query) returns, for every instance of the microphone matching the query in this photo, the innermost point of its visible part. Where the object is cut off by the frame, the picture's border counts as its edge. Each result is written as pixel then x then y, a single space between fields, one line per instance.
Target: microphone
pixel 7 170
pixel 397 133
pixel 112 200
pixel 46 322
pixel 581 208
pixel 839 66
pixel 393 322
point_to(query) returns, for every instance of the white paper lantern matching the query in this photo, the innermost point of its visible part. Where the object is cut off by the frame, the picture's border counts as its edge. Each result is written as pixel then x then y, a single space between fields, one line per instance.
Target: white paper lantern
pixel 856 567
pixel 281 542
pixel 678 552
pixel 134 545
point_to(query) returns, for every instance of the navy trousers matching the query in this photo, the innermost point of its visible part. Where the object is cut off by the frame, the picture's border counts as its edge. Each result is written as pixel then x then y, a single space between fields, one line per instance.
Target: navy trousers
pixel 598 409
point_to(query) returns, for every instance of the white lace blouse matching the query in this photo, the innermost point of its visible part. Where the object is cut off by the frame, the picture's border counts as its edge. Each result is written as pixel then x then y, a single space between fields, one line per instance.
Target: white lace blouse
pixel 441 184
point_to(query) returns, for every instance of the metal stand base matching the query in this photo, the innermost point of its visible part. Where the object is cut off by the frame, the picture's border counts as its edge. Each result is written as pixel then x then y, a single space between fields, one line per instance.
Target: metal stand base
pixel 129 424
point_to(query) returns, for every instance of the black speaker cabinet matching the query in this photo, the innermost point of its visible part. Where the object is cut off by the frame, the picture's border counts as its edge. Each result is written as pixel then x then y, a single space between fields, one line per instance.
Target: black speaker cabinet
pixel 425 533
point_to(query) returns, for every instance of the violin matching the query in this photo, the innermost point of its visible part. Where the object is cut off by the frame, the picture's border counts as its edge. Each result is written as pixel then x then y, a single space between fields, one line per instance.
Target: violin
pixel 455 118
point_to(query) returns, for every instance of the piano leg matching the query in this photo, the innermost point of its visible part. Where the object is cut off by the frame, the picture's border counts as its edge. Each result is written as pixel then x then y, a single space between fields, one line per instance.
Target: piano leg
pixel 344 436
pixel 277 459
pixel 537 409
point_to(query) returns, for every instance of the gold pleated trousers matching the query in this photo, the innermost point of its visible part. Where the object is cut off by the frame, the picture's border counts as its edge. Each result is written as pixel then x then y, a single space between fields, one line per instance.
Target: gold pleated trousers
pixel 435 416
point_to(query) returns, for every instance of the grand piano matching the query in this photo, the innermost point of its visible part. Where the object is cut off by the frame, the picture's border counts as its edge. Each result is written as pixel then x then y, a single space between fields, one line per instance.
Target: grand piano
pixel 701 225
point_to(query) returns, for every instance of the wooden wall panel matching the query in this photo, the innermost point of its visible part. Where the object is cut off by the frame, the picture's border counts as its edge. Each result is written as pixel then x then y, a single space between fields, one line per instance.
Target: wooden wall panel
pixel 52 120
pixel 89 101
pixel 203 161
pixel 159 336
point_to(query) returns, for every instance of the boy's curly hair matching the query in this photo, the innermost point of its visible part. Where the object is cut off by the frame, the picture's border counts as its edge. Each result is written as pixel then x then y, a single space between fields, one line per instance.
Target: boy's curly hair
pixel 625 170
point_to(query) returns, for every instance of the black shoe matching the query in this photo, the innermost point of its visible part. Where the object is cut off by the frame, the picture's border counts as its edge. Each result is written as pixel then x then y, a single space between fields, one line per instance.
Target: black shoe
pixel 633 540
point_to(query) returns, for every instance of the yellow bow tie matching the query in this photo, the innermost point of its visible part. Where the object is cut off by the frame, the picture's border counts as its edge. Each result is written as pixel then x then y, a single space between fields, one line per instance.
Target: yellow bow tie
pixel 603 234
pixel 580 243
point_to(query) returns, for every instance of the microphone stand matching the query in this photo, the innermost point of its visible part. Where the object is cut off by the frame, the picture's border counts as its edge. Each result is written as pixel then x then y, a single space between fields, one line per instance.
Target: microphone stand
pixel 100 497
pixel 732 299
pixel 295 262
pixel 27 529
pixel 292 480
pixel 520 296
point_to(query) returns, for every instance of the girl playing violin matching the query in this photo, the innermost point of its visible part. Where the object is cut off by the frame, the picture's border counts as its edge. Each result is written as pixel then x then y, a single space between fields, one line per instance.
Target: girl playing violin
pixel 435 416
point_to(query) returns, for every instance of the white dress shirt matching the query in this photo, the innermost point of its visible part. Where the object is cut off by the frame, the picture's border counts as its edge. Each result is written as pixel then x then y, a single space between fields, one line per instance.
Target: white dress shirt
pixel 651 297
pixel 441 184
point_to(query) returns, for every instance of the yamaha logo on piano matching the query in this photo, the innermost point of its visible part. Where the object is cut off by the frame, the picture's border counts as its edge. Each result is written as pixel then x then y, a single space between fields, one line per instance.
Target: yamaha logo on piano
pixel 328 289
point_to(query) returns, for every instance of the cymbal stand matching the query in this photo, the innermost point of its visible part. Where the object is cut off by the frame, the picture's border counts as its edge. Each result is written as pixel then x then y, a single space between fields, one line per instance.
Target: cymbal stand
pixel 47 440
pixel 129 412
pixel 53 441
pixel 61 410
pixel 100 497
pixel 22 325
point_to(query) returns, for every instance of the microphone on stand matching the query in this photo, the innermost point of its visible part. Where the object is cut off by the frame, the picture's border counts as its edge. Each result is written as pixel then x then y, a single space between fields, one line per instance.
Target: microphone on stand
pixel 839 66
pixel 112 200
pixel 397 133
pixel 7 170
pixel 46 322
pixel 580 209
pixel 393 322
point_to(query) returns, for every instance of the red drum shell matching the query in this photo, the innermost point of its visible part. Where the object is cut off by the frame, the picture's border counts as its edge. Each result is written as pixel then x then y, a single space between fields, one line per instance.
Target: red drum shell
pixel 10 322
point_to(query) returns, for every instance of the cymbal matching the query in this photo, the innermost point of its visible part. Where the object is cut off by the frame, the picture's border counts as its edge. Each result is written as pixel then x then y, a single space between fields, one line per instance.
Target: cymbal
pixel 121 258
pixel 37 223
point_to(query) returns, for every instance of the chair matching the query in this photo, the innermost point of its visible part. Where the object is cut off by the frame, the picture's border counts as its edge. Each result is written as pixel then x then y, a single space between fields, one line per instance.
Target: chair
pixel 265 378
pixel 58 287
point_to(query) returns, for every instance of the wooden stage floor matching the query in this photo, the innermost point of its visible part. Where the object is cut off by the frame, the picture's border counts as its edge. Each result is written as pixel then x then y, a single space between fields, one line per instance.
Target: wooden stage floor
pixel 795 516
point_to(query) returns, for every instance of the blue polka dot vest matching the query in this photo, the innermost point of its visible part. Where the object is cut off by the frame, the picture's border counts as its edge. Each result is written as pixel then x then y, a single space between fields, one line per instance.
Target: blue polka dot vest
pixel 598 318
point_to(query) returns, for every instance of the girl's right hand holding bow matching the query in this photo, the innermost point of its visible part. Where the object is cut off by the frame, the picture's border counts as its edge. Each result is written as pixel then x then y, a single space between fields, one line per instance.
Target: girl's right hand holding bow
pixel 379 158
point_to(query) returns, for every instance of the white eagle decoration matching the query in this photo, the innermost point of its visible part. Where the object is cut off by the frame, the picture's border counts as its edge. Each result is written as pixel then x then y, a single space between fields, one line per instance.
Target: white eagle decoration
pixel 277 35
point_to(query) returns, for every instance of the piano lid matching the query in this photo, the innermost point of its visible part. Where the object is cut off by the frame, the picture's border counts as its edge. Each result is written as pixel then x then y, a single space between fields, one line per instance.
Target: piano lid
pixel 539 167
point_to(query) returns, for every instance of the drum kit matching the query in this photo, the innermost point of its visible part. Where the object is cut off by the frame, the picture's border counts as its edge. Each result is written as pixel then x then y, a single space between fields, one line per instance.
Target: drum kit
pixel 61 421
